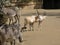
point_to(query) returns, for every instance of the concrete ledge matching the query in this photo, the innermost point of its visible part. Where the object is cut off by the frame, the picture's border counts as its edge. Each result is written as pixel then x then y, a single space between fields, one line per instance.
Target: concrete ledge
pixel 41 11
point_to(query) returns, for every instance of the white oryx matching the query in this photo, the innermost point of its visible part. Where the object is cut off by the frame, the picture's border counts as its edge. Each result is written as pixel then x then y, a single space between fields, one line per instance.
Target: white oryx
pixel 31 20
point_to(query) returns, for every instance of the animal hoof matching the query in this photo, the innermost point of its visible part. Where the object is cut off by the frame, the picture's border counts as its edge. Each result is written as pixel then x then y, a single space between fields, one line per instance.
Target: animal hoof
pixel 32 30
pixel 20 39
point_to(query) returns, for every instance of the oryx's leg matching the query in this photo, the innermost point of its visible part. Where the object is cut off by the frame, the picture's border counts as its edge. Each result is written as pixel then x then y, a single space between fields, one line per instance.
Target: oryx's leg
pixel 24 27
pixel 31 26
pixel 25 22
pixel 39 23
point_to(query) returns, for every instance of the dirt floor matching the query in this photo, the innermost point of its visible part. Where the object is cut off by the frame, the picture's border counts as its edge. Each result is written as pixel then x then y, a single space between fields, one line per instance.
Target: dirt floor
pixel 47 34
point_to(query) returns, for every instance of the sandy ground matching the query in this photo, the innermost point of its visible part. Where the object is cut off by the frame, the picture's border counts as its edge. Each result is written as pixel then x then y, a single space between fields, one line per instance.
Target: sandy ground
pixel 47 34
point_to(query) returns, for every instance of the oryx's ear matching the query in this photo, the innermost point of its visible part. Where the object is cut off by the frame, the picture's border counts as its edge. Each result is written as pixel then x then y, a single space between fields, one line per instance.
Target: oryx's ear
pixel 37 12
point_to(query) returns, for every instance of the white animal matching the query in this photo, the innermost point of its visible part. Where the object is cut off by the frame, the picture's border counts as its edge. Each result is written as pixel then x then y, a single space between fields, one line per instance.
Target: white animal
pixel 32 19
pixel 41 18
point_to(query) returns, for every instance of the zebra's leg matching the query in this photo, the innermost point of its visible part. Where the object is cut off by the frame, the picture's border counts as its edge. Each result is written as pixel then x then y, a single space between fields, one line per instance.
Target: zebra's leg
pixel 5 43
pixel 2 38
pixel 14 42
pixel 20 37
pixel 1 43
pixel 11 42
pixel 18 18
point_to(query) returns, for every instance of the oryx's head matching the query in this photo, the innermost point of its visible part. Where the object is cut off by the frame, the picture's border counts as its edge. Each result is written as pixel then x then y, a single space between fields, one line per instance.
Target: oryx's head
pixel 37 12
pixel 44 13
pixel 42 17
